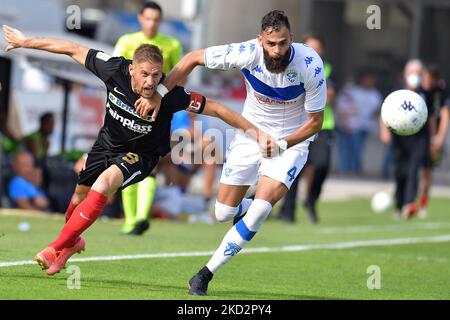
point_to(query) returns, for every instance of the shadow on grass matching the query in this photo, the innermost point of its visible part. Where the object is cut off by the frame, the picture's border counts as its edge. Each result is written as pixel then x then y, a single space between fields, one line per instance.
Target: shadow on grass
pixel 123 285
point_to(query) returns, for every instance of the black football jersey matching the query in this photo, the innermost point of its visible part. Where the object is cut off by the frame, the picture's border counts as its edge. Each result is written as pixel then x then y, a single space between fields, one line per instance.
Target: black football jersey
pixel 124 130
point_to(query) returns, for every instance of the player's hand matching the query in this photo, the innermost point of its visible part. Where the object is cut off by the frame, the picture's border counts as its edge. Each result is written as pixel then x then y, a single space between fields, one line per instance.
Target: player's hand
pixel 14 37
pixel 436 146
pixel 268 146
pixel 145 106
pixel 386 136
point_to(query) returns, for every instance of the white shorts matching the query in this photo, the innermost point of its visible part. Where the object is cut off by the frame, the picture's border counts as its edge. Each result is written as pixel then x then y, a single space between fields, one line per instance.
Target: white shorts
pixel 245 163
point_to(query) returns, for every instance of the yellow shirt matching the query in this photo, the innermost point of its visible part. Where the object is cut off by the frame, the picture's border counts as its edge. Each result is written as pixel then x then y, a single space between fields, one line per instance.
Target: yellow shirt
pixel 171 48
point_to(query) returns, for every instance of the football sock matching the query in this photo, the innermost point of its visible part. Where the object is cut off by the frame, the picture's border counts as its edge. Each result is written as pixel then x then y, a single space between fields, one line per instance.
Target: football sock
pixel 69 210
pixel 240 234
pixel 411 209
pixel 423 202
pixel 129 203
pixel 226 213
pixel 82 218
pixel 145 194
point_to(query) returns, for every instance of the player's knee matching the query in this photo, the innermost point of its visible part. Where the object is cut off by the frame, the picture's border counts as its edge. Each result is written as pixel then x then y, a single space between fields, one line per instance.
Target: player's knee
pixel 77 197
pixel 224 212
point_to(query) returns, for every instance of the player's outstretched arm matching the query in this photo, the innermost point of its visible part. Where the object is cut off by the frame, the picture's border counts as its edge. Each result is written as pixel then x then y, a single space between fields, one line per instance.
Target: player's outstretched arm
pixel 17 39
pixel 183 68
pixel 218 110
pixel 267 144
pixel 308 129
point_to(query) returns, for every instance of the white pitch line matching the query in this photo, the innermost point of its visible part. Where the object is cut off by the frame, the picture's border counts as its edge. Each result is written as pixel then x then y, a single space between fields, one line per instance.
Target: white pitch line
pixel 306 247
pixel 389 227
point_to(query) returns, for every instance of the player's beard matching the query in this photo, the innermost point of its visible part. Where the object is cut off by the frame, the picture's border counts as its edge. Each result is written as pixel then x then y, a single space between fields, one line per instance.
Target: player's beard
pixel 276 65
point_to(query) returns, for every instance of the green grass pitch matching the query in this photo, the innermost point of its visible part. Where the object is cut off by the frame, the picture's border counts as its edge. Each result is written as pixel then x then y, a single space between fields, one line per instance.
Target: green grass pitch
pixel 406 271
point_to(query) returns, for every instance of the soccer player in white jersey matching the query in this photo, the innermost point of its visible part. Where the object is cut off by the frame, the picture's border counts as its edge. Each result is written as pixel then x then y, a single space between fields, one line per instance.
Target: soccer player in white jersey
pixel 286 95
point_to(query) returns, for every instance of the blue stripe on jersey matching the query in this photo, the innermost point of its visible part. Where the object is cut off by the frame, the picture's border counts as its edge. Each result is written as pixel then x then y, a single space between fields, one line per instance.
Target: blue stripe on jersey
pixel 244 231
pixel 292 54
pixel 282 94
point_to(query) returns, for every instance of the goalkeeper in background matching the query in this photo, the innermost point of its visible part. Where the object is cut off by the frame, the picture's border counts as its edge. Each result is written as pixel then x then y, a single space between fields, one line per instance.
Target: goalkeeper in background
pixel 137 199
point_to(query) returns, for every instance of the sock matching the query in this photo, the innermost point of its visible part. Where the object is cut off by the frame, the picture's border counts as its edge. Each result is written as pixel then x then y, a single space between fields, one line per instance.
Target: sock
pixel 245 205
pixel 145 194
pixel 129 203
pixel 241 233
pixel 226 213
pixel 411 209
pixel 69 210
pixel 82 218
pixel 423 202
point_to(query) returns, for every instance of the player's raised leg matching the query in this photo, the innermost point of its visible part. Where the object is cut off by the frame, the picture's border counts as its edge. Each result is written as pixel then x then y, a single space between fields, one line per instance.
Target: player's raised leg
pixel 268 192
pixel 84 215
pixel 47 256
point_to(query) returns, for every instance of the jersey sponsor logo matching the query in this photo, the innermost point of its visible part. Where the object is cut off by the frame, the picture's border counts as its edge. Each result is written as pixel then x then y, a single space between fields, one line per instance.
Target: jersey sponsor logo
pixel 122 105
pixel 266 100
pixel 232 249
pixel 195 103
pixel 291 75
pixel 129 124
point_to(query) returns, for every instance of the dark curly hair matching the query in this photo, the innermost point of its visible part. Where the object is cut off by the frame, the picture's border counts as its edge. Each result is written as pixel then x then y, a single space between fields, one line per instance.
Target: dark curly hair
pixel 274 20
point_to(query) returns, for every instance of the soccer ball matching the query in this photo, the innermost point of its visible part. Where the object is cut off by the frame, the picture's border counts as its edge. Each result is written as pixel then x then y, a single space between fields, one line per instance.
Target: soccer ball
pixel 404 112
pixel 381 202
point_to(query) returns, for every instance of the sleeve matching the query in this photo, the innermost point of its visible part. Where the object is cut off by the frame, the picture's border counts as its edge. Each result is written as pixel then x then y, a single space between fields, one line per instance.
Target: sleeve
pixel 180 98
pixel 230 56
pixel 18 189
pixel 102 65
pixel 315 84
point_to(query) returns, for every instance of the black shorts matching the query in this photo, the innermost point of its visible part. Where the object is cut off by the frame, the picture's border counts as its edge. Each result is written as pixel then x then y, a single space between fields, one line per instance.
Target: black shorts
pixel 135 167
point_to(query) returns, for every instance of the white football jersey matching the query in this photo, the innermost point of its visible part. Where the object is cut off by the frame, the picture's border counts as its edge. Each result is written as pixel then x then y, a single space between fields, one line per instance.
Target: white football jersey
pixel 275 103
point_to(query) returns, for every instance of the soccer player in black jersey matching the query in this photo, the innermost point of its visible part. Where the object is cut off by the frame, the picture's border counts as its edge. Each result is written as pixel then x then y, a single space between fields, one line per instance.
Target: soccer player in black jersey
pixel 130 142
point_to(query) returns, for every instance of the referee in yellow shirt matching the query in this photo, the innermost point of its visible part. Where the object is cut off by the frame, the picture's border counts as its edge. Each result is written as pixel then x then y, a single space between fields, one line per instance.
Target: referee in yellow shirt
pixel 137 199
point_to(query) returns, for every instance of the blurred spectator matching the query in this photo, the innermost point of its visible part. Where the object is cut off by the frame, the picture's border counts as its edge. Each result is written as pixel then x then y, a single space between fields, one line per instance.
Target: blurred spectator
pixel 438 101
pixel 137 198
pixel 10 144
pixel 357 109
pixel 180 166
pixel 38 142
pixel 24 187
pixel 319 158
